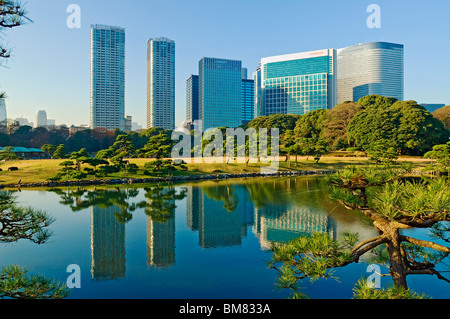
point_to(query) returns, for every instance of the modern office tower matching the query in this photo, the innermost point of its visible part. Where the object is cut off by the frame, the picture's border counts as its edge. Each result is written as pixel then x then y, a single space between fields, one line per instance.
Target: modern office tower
pixel 370 69
pixel 220 93
pixel 258 92
pixel 192 99
pixel 51 122
pixel 248 100
pixel 298 83
pixel 107 77
pixel 3 115
pixel 41 119
pixel 161 83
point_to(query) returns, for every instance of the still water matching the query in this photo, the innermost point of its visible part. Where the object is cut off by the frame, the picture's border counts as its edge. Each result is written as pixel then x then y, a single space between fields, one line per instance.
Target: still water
pixel 196 240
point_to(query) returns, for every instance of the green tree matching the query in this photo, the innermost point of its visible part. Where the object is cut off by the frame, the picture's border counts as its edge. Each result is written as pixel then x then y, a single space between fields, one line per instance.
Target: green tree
pixel 443 115
pixel 67 168
pixel 441 155
pixel 393 204
pixel 377 101
pixel 335 124
pixel 406 126
pixel 60 152
pixel 49 148
pixel 283 122
pixel 94 162
pixel 80 157
pixel 158 146
pixel 7 154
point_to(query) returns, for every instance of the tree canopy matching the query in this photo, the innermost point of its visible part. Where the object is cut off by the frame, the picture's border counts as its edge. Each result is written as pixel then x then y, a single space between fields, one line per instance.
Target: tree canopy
pixel 405 126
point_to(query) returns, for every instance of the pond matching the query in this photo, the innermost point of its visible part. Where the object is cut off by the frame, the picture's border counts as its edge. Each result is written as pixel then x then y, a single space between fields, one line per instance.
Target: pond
pixel 203 240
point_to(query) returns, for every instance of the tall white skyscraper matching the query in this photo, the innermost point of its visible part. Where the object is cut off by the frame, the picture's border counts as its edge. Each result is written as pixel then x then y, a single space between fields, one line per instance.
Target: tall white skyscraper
pixel 370 69
pixel 107 77
pixel 3 115
pixel 41 119
pixel 161 83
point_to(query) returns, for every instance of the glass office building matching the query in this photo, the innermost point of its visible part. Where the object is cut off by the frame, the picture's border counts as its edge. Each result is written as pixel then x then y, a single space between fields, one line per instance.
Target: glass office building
pixel 161 83
pixel 192 99
pixel 257 93
pixel 248 101
pixel 220 93
pixel 370 69
pixel 297 83
pixel 107 77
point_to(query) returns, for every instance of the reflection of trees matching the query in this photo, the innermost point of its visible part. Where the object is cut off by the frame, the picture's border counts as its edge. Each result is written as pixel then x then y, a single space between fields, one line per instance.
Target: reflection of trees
pixel 80 199
pixel 160 204
pixel 224 193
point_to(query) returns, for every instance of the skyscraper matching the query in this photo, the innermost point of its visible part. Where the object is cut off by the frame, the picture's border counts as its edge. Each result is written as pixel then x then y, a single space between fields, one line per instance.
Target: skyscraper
pixel 220 93
pixel 248 100
pixel 257 92
pixel 161 83
pixel 192 99
pixel 297 83
pixel 41 118
pixel 3 115
pixel 370 69
pixel 107 77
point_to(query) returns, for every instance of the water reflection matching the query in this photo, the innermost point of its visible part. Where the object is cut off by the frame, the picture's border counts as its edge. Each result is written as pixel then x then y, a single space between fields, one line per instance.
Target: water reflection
pixel 221 212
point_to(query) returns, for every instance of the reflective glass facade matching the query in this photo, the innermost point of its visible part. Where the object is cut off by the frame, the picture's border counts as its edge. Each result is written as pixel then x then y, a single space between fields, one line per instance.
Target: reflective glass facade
pixel 192 99
pixel 297 83
pixel 161 83
pixel 107 77
pixel 220 93
pixel 371 69
pixel 248 100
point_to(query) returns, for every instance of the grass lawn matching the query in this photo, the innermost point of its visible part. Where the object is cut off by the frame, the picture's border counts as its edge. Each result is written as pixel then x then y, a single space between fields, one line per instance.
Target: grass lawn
pixel 36 171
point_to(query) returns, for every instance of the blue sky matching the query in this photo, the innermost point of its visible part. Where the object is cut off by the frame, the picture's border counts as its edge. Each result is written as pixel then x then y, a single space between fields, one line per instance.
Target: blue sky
pixel 50 64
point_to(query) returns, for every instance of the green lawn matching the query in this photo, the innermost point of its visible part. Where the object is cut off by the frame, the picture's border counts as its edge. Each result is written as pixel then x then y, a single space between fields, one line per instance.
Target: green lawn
pixel 36 171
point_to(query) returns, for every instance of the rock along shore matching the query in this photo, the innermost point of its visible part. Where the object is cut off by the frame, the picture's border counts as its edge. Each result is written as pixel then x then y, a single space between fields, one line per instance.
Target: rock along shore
pixel 122 181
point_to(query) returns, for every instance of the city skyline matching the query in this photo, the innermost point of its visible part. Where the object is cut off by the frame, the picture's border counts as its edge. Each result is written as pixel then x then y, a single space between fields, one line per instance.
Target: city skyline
pixel 61 78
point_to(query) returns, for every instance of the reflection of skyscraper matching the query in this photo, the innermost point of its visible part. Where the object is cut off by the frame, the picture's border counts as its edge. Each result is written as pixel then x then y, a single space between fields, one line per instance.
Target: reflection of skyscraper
pixel 193 206
pixel 160 242
pixel 283 223
pixel 107 244
pixel 219 227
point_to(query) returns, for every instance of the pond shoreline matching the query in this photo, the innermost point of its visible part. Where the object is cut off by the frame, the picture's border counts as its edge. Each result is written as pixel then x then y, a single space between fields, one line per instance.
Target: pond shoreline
pixel 123 181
